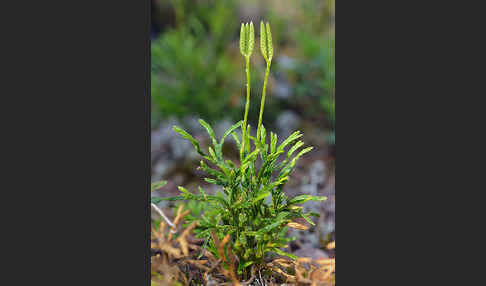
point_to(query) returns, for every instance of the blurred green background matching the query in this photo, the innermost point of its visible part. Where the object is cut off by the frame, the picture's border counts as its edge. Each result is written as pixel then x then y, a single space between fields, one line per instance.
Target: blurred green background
pixel 197 69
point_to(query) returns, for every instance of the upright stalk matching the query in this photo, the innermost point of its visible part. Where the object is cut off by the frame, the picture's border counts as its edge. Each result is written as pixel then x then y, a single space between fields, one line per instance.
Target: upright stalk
pixel 247 41
pixel 262 104
pixel 266 47
pixel 247 106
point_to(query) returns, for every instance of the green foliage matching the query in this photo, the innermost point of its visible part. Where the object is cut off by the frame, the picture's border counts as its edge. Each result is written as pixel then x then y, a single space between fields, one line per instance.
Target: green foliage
pixel 316 43
pixel 180 81
pixel 191 63
pixel 317 74
pixel 250 205
pixel 196 210
pixel 317 71
pixel 312 71
pixel 193 69
pixel 155 186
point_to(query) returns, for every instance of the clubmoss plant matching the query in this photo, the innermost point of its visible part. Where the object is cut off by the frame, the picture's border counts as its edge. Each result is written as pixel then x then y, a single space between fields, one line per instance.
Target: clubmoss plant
pixel 256 225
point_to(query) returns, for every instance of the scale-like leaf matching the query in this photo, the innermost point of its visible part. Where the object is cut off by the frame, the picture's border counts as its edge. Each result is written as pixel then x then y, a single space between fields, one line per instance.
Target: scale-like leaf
pixel 242 266
pixel 271 226
pixel 307 218
pixel 294 136
pixel 250 233
pixel 230 131
pixel 213 154
pixel 279 220
pixel 210 131
pixel 247 139
pixel 273 142
pixel 288 168
pixel 295 147
pixel 211 171
pixel 157 185
pixel 251 156
pixel 188 136
pixel 263 135
pixel 261 196
pixel 238 143
pixel 304 198
pixel 156 200
pixel 260 145
pixel 283 253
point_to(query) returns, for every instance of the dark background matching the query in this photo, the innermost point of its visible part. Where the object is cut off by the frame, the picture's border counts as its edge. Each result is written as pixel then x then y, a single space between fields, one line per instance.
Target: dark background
pixel 76 143
pixel 411 147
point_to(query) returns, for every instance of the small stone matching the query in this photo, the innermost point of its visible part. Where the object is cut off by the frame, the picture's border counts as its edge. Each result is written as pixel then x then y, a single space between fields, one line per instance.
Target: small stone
pixel 286 62
pixel 282 90
pixel 311 252
pixel 287 122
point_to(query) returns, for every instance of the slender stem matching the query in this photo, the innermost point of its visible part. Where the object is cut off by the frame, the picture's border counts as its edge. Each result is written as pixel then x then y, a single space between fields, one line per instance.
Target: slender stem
pixel 247 106
pixel 262 105
pixel 161 213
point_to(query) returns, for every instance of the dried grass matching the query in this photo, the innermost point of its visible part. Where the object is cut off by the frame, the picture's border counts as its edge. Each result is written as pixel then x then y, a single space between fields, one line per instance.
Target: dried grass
pixel 176 262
